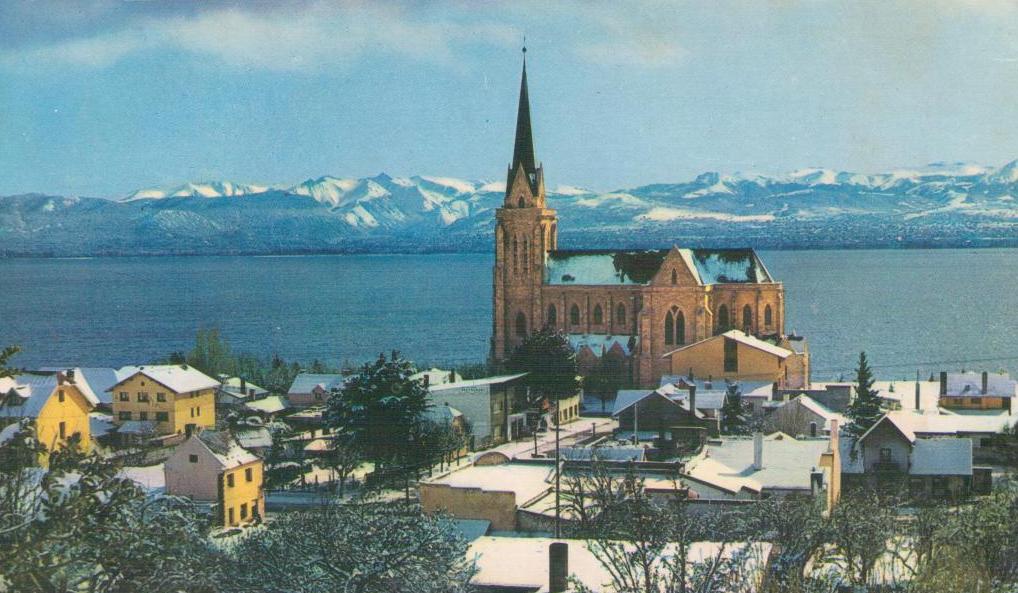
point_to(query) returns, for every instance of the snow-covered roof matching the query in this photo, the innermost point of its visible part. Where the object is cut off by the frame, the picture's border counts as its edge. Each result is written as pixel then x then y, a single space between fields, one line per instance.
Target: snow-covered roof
pixel 941 457
pixel 26 395
pixel 442 414
pixel 254 437
pixel 268 405
pixel 100 424
pixel 305 383
pixel 142 427
pixel 600 344
pixel 525 481
pixel 477 382
pixel 225 449
pixel 913 424
pixel 711 400
pixel 971 384
pixel 528 569
pixel 98 380
pixel 787 462
pixel 179 378
pixel 817 408
pixel 742 338
pixel 602 267
pixel 232 385
pixel 723 266
pixel 714 473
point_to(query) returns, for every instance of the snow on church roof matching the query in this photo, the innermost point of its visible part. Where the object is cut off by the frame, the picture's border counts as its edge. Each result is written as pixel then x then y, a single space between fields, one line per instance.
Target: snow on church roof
pixel 607 267
pixel 600 343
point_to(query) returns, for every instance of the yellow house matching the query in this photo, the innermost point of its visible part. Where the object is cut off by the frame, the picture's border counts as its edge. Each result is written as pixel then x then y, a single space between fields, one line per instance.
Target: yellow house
pixel 164 399
pixel 56 406
pixel 212 467
pixel 735 355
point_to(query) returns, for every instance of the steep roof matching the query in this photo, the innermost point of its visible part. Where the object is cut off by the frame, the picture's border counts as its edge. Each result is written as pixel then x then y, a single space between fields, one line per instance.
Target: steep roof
pixel 26 395
pixel 602 343
pixel 742 338
pixel 602 267
pixel 226 450
pixel 179 378
pixel 727 266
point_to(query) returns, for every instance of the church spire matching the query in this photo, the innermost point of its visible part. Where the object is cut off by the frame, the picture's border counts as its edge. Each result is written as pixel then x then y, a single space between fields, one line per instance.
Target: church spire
pixel 523 153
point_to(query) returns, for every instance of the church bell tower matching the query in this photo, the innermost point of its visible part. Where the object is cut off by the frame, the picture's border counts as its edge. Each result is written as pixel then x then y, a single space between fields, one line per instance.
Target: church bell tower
pixel 525 230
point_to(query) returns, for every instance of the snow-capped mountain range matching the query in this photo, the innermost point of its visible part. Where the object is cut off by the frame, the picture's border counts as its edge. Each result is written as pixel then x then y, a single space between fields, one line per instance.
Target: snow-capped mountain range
pixel 942 204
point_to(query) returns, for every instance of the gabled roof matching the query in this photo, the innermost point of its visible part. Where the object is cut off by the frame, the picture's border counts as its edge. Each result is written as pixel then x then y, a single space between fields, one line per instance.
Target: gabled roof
pixel 913 425
pixel 178 378
pixel 98 380
pixel 306 382
pixel 627 398
pixel 602 343
pixel 727 266
pixel 744 339
pixel 477 382
pixel 817 408
pixel 225 449
pixel 26 395
pixel 268 405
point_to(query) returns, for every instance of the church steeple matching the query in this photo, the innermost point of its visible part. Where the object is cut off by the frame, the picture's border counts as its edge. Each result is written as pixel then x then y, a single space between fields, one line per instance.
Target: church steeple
pixel 524 173
pixel 523 153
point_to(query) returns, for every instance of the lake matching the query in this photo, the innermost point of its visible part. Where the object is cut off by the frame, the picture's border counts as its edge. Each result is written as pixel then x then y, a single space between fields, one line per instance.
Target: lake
pixel 909 309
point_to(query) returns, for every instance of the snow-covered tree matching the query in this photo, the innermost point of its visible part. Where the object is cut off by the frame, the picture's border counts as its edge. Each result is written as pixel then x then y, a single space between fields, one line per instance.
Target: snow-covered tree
pixel 550 361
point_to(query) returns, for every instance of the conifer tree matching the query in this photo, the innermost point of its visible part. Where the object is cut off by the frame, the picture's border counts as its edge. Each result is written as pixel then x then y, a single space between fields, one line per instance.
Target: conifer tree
pixel 865 409
pixel 734 419
pixel 550 362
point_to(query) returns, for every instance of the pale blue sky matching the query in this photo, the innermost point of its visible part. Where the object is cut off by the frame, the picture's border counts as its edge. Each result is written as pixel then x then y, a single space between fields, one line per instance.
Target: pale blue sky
pixel 99 98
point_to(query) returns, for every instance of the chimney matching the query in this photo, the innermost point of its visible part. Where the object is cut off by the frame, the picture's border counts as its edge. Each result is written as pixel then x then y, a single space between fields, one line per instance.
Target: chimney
pixel 558 567
pixel 986 380
pixel 943 382
pixel 243 385
pixel 70 378
pixel 918 403
pixel 692 400
pixel 427 380
pixel 758 451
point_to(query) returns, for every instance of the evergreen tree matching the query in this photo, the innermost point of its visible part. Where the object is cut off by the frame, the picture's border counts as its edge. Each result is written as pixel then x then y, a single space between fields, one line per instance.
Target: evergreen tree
pixel 734 419
pixel 865 409
pixel 551 363
pixel 379 410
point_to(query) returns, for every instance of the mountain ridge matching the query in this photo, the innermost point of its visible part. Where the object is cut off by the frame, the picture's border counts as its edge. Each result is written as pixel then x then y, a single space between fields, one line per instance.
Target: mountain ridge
pixel 939 205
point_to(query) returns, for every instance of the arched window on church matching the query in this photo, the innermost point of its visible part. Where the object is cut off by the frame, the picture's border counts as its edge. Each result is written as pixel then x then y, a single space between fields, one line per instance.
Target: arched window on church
pixel 675 277
pixel 620 316
pixel 526 254
pixel 680 328
pixel 574 315
pixel 747 317
pixel 723 319
pixel 516 254
pixel 669 329
pixel 552 316
pixel 521 324
pixel 768 316
pixel 521 202
pixel 598 315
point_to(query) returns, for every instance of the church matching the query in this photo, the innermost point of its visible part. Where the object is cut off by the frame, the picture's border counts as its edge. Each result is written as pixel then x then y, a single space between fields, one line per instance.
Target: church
pixel 662 312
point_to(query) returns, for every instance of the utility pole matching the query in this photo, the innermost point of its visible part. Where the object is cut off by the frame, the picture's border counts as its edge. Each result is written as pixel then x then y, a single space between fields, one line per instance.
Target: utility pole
pixel 558 471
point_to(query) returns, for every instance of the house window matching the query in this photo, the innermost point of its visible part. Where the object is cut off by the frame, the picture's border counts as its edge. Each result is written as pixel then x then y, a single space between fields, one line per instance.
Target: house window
pixel 768 316
pixel 249 474
pixel 197 411
pixel 243 511
pixel 160 397
pixel 143 396
pixel 142 415
pixel 598 315
pixel 60 396
pixel 521 324
pixel 723 319
pixel 124 397
pixel 812 429
pixel 620 315
pixel 229 480
pixel 63 430
pixel 747 317
pixel 124 415
pixel 192 458
pixel 574 315
pixel 731 356
pixel 680 328
pixel 162 417
pixel 192 412
pixel 885 455
pixel 552 316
